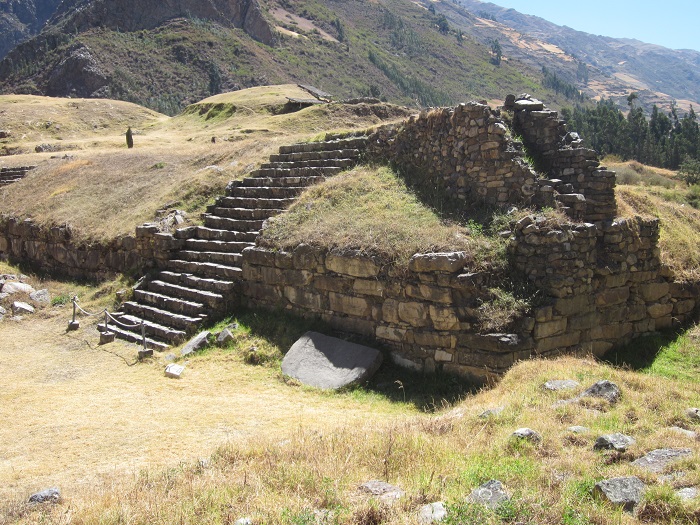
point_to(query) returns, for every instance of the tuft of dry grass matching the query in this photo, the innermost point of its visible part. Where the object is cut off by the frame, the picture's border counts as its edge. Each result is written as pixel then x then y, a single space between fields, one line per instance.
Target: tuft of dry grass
pixel 367 209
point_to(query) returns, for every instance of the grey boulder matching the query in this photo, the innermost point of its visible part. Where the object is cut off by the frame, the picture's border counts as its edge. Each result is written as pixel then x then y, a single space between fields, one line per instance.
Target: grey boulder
pixel 432 513
pixel 20 308
pixel 52 495
pixel 557 385
pixel 198 342
pixel 327 362
pixel 605 389
pixel 626 492
pixel 14 287
pixel 382 490
pixel 693 414
pixel 41 296
pixel 491 494
pixel 657 460
pixel 617 441
pixel 528 435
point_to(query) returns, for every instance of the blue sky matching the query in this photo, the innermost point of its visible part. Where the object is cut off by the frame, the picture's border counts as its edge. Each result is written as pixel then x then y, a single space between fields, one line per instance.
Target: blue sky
pixel 671 23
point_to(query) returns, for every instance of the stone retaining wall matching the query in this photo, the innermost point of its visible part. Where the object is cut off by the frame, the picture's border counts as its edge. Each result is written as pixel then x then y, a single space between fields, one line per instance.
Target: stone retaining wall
pixel 53 250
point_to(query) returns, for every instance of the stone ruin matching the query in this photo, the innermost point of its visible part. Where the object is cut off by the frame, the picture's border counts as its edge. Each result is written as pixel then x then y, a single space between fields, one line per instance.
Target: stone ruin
pixel 600 278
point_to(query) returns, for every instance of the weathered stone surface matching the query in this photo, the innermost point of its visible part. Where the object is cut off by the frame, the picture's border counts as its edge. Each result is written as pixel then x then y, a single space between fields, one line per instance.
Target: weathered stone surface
pixel 684 432
pixel 578 429
pixel 174 371
pixel 414 313
pixel 492 412
pixel 658 310
pixel 491 494
pixel 382 490
pixel 527 434
pixel 437 262
pixel 617 441
pixel 556 385
pixel 21 308
pixel 52 495
pixel 688 493
pixel 354 265
pixel 432 513
pixel 41 296
pixel 693 414
pixel 654 291
pixel 626 491
pixel 224 337
pixel 13 287
pixel 657 460
pixel 198 342
pixel 348 304
pixel 605 389
pixel 243 521
pixel 327 362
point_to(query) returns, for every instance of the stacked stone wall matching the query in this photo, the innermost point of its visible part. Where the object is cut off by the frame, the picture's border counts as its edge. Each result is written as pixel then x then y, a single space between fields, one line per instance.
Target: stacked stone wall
pixel 53 250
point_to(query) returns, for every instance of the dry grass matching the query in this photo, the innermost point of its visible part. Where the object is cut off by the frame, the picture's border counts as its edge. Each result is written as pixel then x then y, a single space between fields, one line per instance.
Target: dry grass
pixel 103 189
pixel 680 225
pixel 368 209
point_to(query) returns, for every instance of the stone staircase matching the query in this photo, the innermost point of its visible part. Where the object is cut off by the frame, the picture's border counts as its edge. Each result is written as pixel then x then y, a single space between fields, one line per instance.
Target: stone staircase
pixel 201 281
pixel 11 175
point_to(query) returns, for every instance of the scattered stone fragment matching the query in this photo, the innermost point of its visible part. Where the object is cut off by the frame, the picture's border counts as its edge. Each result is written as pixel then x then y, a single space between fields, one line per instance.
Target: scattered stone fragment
pixel 605 389
pixel 382 490
pixel 170 358
pixel 244 521
pixel 626 491
pixel 577 429
pixel 52 495
pixel 527 434
pixel 491 494
pixel 224 337
pixel 693 414
pixel 556 385
pixel 41 296
pixel 657 460
pixel 616 441
pixel 2 311
pixel 672 477
pixel 4 295
pixel 13 287
pixel 20 308
pixel 174 371
pixel 327 362
pixel 687 433
pixel 688 493
pixel 432 513
pixel 196 343
pixel 492 412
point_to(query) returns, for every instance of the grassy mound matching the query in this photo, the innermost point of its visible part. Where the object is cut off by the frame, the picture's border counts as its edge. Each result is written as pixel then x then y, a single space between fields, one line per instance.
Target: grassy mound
pixel 370 209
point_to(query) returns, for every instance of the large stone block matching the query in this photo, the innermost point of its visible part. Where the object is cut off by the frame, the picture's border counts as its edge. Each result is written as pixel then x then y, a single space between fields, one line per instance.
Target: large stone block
pixel 304 298
pixel 437 262
pixel 444 318
pixel 568 306
pixel 613 296
pixel 415 314
pixel 368 287
pixel 658 310
pixel 654 291
pixel 354 265
pixel 558 341
pixel 434 339
pixel 391 333
pixel 430 293
pixel 348 304
pixel 548 329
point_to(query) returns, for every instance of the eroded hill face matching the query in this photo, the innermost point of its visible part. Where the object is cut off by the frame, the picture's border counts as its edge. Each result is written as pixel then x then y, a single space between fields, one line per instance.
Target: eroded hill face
pixel 22 19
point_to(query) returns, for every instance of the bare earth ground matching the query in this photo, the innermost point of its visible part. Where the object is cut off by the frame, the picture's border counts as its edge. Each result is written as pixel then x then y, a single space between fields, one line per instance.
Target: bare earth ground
pixel 75 413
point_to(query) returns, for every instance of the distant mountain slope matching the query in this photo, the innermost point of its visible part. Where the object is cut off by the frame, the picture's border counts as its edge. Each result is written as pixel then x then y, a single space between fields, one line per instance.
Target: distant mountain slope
pixel 22 19
pixel 166 54
pixel 618 66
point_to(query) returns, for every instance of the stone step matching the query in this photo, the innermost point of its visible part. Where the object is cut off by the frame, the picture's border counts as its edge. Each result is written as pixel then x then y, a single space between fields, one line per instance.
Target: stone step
pixel 276 170
pixel 133 337
pixel 282 181
pixel 301 164
pixel 219 286
pixel 266 192
pixel 165 333
pixel 204 245
pixel 316 155
pixel 10 181
pixel 228 259
pixel 348 143
pixel 172 304
pixel 242 202
pixel 206 269
pixel 237 225
pixel 210 234
pixel 144 311
pixel 243 213
pixel 210 299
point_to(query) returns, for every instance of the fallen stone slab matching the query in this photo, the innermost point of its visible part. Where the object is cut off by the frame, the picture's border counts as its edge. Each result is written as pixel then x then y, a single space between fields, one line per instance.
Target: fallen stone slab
pixel 684 432
pixel 41 296
pixel 605 389
pixel 688 493
pixel 198 342
pixel 432 512
pixel 556 385
pixel 527 434
pixel 491 494
pixel 382 490
pixel 224 337
pixel 13 287
pixel 626 491
pixel 657 460
pixel 617 441
pixel 20 308
pixel 327 362
pixel 693 414
pixel 174 371
pixel 52 495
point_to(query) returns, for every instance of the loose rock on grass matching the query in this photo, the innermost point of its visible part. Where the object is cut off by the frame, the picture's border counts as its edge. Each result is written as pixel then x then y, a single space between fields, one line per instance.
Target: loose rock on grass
pixel 617 441
pixel 626 492
pixel 52 495
pixel 491 494
pixel 557 385
pixel 528 435
pixel 605 389
pixel 432 513
pixel 657 460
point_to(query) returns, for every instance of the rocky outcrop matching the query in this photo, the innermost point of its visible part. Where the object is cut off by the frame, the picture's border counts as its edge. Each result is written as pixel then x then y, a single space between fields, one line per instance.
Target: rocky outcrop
pixel 22 19
pixel 78 74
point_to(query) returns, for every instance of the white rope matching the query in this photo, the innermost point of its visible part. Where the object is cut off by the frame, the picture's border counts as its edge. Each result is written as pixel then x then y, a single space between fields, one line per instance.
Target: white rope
pixel 121 323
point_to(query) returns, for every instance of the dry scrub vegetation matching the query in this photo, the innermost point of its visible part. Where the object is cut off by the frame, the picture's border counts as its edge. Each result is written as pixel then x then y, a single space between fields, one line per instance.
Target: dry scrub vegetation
pixel 102 189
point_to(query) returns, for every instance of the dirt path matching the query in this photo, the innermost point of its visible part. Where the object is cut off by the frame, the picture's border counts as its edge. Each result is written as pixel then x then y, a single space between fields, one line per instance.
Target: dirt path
pixel 76 413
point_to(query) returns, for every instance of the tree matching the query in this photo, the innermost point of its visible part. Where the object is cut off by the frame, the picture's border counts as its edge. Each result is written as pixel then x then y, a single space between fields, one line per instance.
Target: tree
pixel 443 25
pixel 431 8
pixel 497 52
pixel 690 171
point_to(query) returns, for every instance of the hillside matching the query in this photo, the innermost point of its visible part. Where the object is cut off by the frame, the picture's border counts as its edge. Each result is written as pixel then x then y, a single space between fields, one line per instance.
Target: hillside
pixel 22 19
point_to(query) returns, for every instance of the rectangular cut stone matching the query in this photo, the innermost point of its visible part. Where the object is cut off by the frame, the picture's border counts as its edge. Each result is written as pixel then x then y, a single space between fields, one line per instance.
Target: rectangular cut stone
pixel 303 298
pixel 611 331
pixel 259 256
pixel 654 291
pixel 430 293
pixel 558 341
pixel 415 314
pixel 354 265
pixel 571 305
pixel 368 287
pixel 443 357
pixel 550 328
pixel 444 318
pixel 613 296
pixel 656 311
pixel 437 262
pixel 434 339
pixel 332 283
pixel 390 333
pixel 347 304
